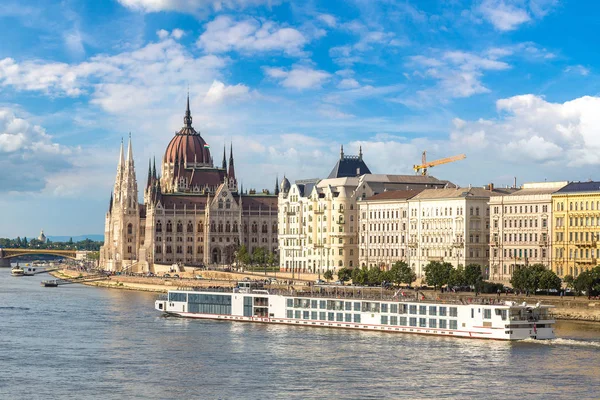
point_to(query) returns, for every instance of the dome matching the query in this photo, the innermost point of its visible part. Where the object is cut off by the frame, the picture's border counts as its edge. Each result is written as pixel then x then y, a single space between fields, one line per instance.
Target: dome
pixel 285 185
pixel 188 145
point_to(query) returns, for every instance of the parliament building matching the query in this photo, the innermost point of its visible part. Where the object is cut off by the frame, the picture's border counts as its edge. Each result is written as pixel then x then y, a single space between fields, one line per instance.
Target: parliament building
pixel 192 212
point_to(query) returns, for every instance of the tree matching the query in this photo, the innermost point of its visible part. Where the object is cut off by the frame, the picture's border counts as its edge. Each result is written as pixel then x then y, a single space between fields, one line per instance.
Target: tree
pixel 549 280
pixel 271 258
pixel 360 275
pixel 437 273
pixel 242 255
pixel 344 274
pixel 328 275
pixel 457 277
pixel 568 281
pixel 588 281
pixel 25 244
pixel 401 273
pixel 374 276
pixel 70 242
pixel 530 277
pixel 473 274
pixel 258 255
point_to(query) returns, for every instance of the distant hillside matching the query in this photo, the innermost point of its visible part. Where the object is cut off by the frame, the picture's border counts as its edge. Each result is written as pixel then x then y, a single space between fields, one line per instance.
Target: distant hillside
pixel 96 238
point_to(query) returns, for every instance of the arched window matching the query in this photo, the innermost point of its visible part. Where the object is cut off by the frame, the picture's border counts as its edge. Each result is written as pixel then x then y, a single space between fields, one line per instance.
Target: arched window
pixel 227 227
pixel 228 204
pixel 200 227
pixel 179 227
pixel 340 263
pixel 130 229
pixel 169 227
pixel 190 227
pixel 159 226
pixel 220 227
pixel 264 228
pixel 220 204
pixel 213 227
pixel 274 229
pixel 235 227
pixel 254 227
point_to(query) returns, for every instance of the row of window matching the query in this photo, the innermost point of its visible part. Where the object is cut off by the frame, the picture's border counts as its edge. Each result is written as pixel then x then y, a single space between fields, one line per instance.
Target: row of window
pixel 520 209
pixel 373 307
pixel 214 227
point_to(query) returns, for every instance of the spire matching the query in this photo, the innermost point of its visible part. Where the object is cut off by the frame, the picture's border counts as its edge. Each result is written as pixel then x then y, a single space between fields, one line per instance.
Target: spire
pixel 129 151
pixel 277 185
pixel 342 152
pixel 154 168
pixel 110 205
pixel 231 172
pixel 187 120
pixel 360 153
pixel 121 156
pixel 224 162
pixel 149 173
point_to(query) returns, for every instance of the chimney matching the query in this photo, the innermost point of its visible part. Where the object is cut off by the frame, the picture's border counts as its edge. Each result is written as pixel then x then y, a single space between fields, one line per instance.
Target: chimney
pixel 515 184
pixel 491 187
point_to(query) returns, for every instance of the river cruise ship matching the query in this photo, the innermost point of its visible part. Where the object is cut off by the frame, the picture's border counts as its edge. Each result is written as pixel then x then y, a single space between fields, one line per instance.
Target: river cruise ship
pixel 366 310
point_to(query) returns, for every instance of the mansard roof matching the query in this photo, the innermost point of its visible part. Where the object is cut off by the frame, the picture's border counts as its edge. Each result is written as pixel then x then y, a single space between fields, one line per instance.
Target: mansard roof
pixel 580 187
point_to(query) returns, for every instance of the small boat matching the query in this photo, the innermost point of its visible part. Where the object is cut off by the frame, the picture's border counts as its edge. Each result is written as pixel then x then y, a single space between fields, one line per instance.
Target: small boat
pixel 29 271
pixel 50 283
pixel 17 271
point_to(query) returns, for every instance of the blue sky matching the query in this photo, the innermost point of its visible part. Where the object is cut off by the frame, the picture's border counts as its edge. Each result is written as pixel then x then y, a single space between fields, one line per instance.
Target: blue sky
pixel 511 83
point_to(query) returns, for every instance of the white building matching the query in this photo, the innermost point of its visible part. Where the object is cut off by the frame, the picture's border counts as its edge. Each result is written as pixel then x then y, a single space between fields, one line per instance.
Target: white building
pixel 318 219
pixel 384 232
pixel 450 225
pixel 521 228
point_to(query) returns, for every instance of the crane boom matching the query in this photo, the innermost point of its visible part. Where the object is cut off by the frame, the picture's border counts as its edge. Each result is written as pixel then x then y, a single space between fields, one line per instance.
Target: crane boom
pixel 424 164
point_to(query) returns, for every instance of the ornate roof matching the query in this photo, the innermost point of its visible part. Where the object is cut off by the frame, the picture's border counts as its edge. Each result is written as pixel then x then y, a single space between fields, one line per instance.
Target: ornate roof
pixel 349 166
pixel 188 146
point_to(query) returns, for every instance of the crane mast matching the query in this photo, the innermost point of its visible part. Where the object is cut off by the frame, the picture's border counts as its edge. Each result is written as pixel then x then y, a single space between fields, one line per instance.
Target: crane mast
pixel 422 168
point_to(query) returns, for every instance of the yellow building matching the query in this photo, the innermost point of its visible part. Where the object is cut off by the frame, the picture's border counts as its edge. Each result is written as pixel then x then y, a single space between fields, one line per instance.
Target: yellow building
pixel 576 228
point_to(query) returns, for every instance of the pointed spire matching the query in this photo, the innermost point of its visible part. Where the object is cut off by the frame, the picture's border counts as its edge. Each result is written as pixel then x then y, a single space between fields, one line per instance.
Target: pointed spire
pixel 111 203
pixel 277 185
pixel 129 151
pixel 360 153
pixel 231 172
pixel 149 181
pixel 121 156
pixel 341 152
pixel 224 159
pixel 187 120
pixel 154 168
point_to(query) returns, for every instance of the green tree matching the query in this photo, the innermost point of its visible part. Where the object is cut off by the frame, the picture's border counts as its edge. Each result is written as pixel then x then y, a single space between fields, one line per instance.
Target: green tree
pixel 568 281
pixel 258 255
pixel 374 276
pixel 271 258
pixel 473 274
pixel 360 275
pixel 457 277
pixel 549 280
pixel 70 242
pixel 588 281
pixel 328 275
pixel 243 256
pixel 529 277
pixel 344 274
pixel 401 273
pixel 25 244
pixel 437 273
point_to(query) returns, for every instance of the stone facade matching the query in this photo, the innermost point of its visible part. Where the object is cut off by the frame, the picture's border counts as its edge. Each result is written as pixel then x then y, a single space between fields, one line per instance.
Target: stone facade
pixel 192 213
pixel 521 228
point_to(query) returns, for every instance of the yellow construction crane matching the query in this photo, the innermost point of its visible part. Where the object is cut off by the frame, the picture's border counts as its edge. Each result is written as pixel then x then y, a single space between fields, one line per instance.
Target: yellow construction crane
pixel 422 168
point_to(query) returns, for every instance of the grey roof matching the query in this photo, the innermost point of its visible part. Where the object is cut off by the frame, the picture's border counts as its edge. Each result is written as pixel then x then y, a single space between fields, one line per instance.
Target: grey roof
pixel 449 193
pixel 349 166
pixel 574 187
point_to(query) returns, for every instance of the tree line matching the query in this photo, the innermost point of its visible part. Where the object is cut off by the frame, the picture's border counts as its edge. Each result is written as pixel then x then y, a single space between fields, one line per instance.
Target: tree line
pixel 24 243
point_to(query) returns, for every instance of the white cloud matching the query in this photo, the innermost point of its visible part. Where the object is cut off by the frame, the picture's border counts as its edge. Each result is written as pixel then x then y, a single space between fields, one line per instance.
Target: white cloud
pixel 503 15
pixel 299 77
pixel 175 34
pixel 328 19
pixel 225 34
pixel 219 92
pixel 578 69
pixel 193 6
pixel 348 83
pixel 74 42
pixel 532 129
pixel 333 112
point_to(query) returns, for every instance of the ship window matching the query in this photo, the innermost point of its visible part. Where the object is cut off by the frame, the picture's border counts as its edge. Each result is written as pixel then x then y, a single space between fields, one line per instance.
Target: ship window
pixel 384 320
pixel 412 321
pixel 290 314
pixel 174 296
pixel 384 308
pixel 487 313
pixel 432 323
pixel 472 313
pixel 403 321
pixel 423 322
pixel 330 316
pixel 313 304
pixel 453 324
pixel 453 312
pixel 413 309
pixel 290 303
pixel 322 305
pixel 297 314
pixel 322 315
pixel 423 310
pixel 393 320
pixel 339 317
pixel 305 314
pixel 442 311
pixel 347 317
pixel 403 308
pixel 348 306
pixel 313 315
pixel 432 310
pixel 394 309
pixel 357 306
pixel 357 318
pixel 442 324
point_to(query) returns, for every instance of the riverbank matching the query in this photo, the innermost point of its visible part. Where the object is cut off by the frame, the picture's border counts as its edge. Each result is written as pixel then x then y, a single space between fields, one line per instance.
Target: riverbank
pixel 567 308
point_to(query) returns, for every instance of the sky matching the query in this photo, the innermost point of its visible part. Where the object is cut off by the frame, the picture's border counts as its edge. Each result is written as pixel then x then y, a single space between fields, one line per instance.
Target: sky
pixel 513 84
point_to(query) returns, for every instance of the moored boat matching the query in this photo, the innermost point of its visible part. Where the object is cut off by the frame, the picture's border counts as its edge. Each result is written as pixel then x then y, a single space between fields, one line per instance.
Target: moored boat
pixel 29 271
pixel 250 302
pixel 17 271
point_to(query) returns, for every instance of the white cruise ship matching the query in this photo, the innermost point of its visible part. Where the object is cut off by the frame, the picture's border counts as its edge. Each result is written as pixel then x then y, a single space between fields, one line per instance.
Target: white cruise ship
pixel 368 311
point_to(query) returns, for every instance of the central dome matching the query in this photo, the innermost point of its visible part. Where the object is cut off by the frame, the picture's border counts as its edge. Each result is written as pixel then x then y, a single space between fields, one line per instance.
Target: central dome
pixel 188 146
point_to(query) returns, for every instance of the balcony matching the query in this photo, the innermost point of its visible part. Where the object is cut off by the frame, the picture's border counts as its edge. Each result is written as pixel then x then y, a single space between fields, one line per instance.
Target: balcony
pixel 543 243
pixel 494 243
pixel 413 244
pixel 585 243
pixel 319 211
pixel 458 243
pixel 591 261
pixel 291 213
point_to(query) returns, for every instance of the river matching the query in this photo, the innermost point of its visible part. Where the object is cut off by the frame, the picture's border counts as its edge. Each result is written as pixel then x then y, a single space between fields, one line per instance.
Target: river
pixel 90 343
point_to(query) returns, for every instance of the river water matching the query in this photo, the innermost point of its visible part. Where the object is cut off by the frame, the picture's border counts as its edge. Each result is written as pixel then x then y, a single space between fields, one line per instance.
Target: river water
pixel 89 343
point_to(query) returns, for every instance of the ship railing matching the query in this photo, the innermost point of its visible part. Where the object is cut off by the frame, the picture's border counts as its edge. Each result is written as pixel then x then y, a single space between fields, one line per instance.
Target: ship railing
pixel 162 297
